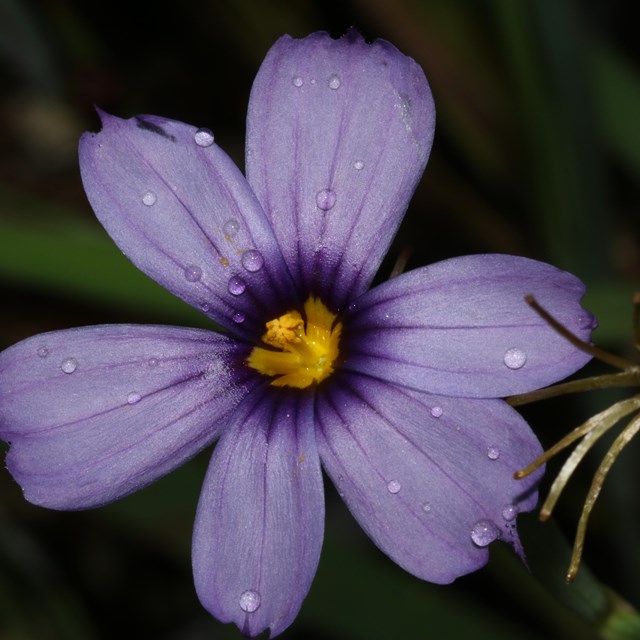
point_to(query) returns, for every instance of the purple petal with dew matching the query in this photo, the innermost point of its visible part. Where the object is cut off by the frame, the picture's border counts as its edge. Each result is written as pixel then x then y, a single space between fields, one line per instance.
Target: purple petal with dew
pixel 96 413
pixel 338 135
pixel 259 527
pixel 462 328
pixel 429 478
pixel 184 214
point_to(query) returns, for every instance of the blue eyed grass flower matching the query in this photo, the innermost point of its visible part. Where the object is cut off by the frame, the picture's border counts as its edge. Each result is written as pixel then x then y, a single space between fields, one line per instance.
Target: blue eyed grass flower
pixel 393 390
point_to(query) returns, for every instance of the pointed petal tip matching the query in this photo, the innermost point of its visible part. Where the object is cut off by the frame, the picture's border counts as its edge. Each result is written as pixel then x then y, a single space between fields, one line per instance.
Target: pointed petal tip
pixel 105 117
pixel 102 114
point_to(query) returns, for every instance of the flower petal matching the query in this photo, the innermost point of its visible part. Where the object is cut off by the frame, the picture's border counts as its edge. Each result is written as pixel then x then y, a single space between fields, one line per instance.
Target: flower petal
pixel 462 328
pixel 338 135
pixel 429 478
pixel 96 413
pixel 184 214
pixel 259 527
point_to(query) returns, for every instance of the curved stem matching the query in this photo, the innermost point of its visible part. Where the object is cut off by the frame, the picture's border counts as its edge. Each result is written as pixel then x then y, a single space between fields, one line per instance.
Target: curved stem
pixel 629 378
pixel 596 352
pixel 620 442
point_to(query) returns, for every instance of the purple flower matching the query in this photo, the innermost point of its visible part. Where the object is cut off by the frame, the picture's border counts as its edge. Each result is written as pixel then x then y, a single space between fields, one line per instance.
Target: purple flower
pixel 392 390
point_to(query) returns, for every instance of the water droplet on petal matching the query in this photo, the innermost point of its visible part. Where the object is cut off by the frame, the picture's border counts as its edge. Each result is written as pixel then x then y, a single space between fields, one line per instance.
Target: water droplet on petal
pixel 484 532
pixel 192 273
pixel 509 512
pixel 493 453
pixel 149 198
pixel 515 358
pixel 153 362
pixel 204 137
pixel 325 199
pixel 426 507
pixel 236 286
pixel 393 486
pixel 436 412
pixel 297 81
pixel 334 82
pixel 205 306
pixel 358 165
pixel 231 227
pixel 250 601
pixel 252 260
pixel 132 398
pixel 42 352
pixel 69 365
pixel 238 317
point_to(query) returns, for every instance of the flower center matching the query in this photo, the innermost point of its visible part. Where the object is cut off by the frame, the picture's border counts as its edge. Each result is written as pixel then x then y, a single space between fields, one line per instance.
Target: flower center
pixel 303 353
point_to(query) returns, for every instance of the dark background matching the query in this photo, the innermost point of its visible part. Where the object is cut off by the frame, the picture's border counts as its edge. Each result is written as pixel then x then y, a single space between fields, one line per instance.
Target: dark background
pixel 537 153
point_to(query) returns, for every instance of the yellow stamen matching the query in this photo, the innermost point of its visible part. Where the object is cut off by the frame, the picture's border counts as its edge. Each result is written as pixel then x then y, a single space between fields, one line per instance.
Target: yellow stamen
pixel 305 352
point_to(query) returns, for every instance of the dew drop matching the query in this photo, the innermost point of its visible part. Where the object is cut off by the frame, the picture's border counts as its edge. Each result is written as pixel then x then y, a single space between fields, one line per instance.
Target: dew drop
pixel 334 82
pixel 231 227
pixel 252 260
pixel 132 398
pixel 205 306
pixel 297 81
pixel 238 317
pixel 149 198
pixel 493 453
pixel 250 601
pixel 153 362
pixel 358 165
pixel 515 358
pixel 426 507
pixel 436 412
pixel 42 352
pixel 393 486
pixel 69 365
pixel 325 199
pixel 484 532
pixel 192 273
pixel 509 512
pixel 203 137
pixel 236 286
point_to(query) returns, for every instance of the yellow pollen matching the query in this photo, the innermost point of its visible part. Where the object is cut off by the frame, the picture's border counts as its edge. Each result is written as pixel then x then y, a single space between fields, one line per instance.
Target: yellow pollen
pixel 303 353
pixel 284 330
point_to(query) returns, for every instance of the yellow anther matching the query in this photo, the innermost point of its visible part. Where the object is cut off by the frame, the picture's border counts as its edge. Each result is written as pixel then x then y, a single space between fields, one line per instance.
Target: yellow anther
pixel 284 330
pixel 305 353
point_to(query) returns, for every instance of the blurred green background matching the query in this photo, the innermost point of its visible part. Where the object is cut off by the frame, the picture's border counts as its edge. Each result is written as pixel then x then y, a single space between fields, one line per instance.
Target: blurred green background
pixel 537 153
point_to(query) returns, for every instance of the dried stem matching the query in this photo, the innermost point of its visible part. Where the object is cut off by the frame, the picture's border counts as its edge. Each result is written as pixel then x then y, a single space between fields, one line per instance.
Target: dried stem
pixel 629 378
pixel 401 262
pixel 596 352
pixel 600 424
pixel 609 416
pixel 620 442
